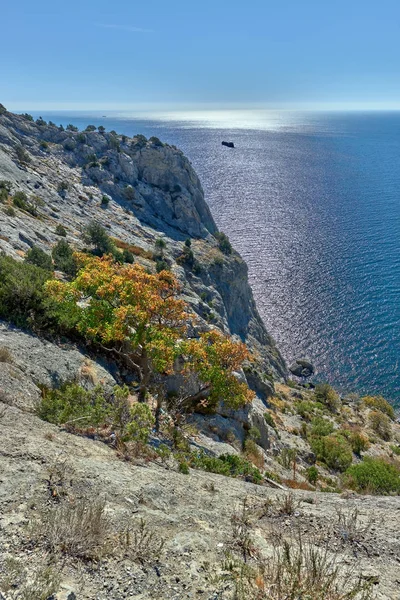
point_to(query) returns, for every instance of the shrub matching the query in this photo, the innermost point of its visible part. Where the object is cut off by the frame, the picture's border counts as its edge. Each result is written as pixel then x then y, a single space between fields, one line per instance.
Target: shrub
pixel 91 128
pixel 22 298
pixel 183 467
pixel 312 475
pixel 223 242
pixel 380 423
pixel 160 244
pixel 325 394
pixel 269 419
pixel 321 427
pixel 5 185
pixel 22 155
pixel 373 475
pixel 188 242
pixel 62 186
pixel 155 141
pixel 139 141
pixel 379 403
pixel 230 465
pixel 161 265
pixel 101 129
pixel 80 529
pixel 60 230
pixel 358 441
pixel 395 450
pixel 105 201
pixel 96 235
pixel 71 403
pixel 5 355
pixel 36 256
pixel 9 211
pixel 128 256
pixel 20 200
pixel 71 128
pixel 140 424
pixel 43 145
pixel 333 450
pixel 28 117
pixel 63 257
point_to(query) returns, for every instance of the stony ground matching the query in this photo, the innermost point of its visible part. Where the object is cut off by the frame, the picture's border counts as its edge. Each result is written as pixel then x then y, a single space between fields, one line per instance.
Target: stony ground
pixel 191 514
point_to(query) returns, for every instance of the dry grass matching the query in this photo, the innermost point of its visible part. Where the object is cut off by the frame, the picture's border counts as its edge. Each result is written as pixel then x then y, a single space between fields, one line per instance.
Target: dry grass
pixel 79 529
pixel 15 583
pixel 139 543
pixel 136 250
pixel 5 355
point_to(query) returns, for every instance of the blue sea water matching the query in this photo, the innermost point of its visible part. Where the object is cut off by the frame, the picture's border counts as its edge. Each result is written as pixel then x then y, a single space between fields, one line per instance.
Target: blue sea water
pixel 312 203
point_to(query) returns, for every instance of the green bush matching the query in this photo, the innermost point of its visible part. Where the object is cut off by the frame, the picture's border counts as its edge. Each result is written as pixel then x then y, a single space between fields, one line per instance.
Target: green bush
pixel 155 141
pixel 105 201
pixel 395 450
pixel 20 200
pixel 36 256
pixel 128 256
pixel 230 465
pixel 72 404
pixel 63 186
pixel 379 403
pixel 71 128
pixel 269 419
pixel 63 257
pixel 312 475
pixel 10 212
pixel 326 395
pixel 28 117
pixel 333 450
pixel 60 230
pixel 91 128
pixel 22 298
pixel 22 155
pixel 96 235
pixel 141 423
pixel 139 141
pixel 380 423
pixel 358 441
pixel 223 243
pixel 373 475
pixel 321 427
pixel 161 265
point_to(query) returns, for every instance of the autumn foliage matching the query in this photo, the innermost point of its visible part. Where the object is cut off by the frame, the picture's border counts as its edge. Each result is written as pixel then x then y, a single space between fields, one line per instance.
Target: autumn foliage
pixel 142 318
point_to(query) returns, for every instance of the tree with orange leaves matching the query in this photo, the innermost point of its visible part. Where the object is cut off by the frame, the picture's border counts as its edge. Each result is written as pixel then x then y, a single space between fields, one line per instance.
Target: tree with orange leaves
pixel 140 317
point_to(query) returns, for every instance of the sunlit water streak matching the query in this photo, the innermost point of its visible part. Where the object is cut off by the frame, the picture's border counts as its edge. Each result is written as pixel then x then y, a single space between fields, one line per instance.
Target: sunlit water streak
pixel 312 202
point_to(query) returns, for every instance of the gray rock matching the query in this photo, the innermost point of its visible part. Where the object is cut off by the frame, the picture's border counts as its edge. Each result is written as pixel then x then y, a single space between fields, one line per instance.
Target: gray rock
pixel 302 368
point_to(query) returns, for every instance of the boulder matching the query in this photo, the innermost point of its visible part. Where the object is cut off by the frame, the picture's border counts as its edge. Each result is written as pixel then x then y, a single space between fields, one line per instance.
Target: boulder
pixel 302 368
pixel 228 144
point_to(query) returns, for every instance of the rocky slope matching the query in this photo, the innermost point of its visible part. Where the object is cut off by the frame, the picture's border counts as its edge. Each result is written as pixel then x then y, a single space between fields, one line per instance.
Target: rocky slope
pixel 143 191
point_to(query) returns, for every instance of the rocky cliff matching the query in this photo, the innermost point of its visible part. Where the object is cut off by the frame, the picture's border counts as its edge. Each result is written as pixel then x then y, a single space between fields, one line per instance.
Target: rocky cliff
pixel 151 191
pixel 84 516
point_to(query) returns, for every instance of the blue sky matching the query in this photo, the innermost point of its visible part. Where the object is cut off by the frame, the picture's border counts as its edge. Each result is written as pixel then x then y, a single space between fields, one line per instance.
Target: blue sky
pixel 191 53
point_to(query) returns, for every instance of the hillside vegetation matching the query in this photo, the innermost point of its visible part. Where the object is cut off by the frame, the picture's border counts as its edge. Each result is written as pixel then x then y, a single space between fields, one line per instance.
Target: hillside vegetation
pixel 129 332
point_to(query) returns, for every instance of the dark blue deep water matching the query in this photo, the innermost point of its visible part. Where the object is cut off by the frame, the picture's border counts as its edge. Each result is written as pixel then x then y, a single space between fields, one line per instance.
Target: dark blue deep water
pixel 312 202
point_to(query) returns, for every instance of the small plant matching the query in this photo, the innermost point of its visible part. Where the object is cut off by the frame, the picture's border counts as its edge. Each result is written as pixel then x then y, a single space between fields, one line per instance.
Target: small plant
pixel 141 423
pixel 380 423
pixel 63 186
pixel 22 155
pixel 10 212
pixel 269 419
pixel 140 543
pixel 160 244
pixel 71 128
pixel 43 145
pixel 223 243
pixel 42 585
pixel 5 355
pixel 326 395
pixel 96 235
pixel 60 230
pixel 139 141
pixel 37 256
pixel 321 427
pixel 312 475
pixel 161 265
pixel 188 242
pixel 79 529
pixel 155 141
pixel 91 128
pixel 20 200
pixel 128 256
pixel 105 201
pixel 287 504
pixel 63 257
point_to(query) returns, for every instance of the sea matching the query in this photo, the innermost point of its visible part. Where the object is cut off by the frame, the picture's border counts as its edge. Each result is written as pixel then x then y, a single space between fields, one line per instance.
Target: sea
pixel 311 200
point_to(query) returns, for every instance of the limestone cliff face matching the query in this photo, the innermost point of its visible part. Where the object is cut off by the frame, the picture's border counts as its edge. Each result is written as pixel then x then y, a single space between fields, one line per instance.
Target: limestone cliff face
pixel 153 191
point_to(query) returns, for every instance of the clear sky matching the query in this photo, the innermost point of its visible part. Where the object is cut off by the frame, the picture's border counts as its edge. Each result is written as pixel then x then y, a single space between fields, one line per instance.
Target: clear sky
pixel 180 53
